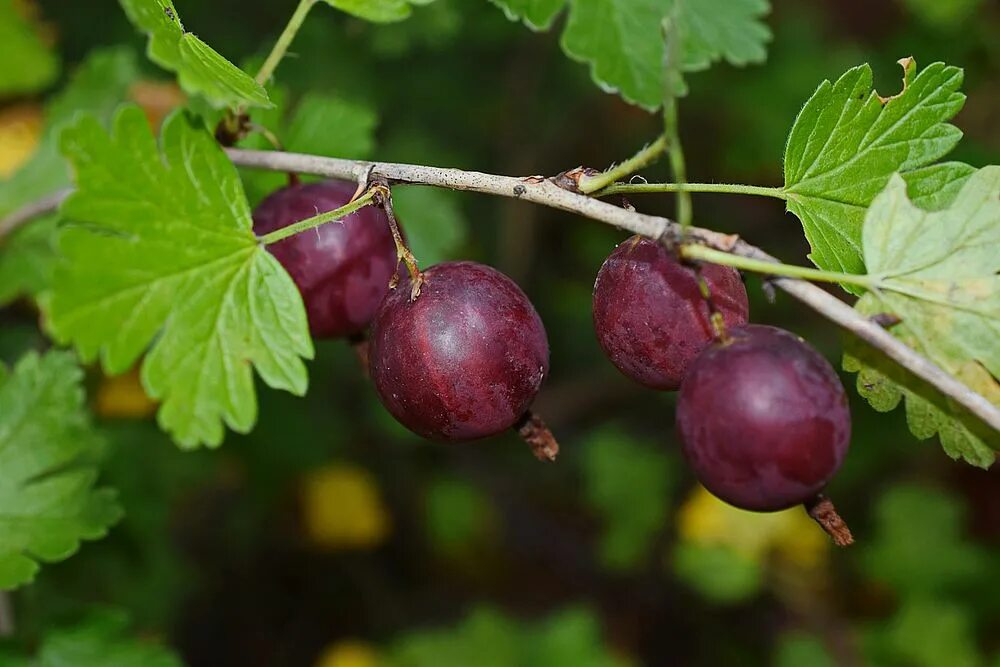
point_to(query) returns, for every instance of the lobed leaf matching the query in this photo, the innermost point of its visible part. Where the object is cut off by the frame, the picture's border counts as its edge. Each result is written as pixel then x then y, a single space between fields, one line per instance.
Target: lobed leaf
pixel 846 143
pixel 938 272
pixel 167 261
pixel 48 503
pixel 200 69
pixel 623 41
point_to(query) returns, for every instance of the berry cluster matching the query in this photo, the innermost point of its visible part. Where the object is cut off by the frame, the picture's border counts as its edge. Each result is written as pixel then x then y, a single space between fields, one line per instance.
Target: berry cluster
pixel 762 417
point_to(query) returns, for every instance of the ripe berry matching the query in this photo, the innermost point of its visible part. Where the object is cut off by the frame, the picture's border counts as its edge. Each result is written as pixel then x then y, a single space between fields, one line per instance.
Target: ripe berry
pixel 342 268
pixel 650 316
pixel 464 359
pixel 763 419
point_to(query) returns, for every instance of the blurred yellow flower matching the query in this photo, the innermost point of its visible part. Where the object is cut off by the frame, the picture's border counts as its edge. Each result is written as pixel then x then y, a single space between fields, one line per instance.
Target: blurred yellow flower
pixel 790 536
pixel 348 653
pixel 20 132
pixel 342 508
pixel 122 397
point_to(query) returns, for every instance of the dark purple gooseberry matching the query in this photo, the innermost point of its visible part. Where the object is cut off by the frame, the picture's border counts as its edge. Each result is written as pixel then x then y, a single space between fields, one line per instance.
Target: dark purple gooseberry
pixel 649 315
pixel 763 419
pixel 342 268
pixel 464 359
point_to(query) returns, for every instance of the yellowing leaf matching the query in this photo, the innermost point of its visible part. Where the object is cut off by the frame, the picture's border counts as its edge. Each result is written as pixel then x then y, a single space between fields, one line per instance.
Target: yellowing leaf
pixel 20 133
pixel 342 509
pixel 937 271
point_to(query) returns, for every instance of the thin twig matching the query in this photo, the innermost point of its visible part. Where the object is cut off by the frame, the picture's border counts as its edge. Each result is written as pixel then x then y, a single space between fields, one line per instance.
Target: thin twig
pixel 542 191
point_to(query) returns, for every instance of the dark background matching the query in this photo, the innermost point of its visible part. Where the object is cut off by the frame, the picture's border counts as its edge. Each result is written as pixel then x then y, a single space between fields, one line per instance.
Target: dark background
pixel 422 554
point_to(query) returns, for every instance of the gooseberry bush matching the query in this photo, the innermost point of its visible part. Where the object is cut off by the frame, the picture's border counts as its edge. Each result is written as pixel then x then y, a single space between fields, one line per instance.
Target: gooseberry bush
pixel 139 245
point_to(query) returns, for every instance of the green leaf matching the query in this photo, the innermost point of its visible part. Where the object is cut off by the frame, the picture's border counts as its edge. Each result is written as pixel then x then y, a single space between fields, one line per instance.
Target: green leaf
pixel 328 125
pixel 926 632
pixel 718 573
pixel 98 86
pixel 623 40
pixel 937 272
pixel 200 69
pixel 847 141
pixel 628 483
pixel 378 11
pixel 101 641
pixel 536 14
pixel 27 65
pixel 711 30
pixel 433 220
pixel 458 515
pixel 319 125
pixel 168 260
pixel 923 557
pixel 489 638
pixel 797 649
pixel 26 259
pixel 48 502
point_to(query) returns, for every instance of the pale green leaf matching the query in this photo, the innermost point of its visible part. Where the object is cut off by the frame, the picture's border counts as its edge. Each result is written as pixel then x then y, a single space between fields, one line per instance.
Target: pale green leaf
pixel 167 261
pixel 536 14
pixel 200 69
pixel 846 142
pixel 378 11
pixel 27 65
pixel 48 502
pixel 101 640
pixel 926 632
pixel 937 272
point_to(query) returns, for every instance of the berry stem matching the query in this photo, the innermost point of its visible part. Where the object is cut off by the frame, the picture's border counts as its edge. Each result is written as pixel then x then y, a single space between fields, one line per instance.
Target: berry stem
pixel 317 220
pixel 284 41
pixel 823 512
pixel 403 253
pixel 536 433
pixel 706 254
pixel 725 188
pixel 648 154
